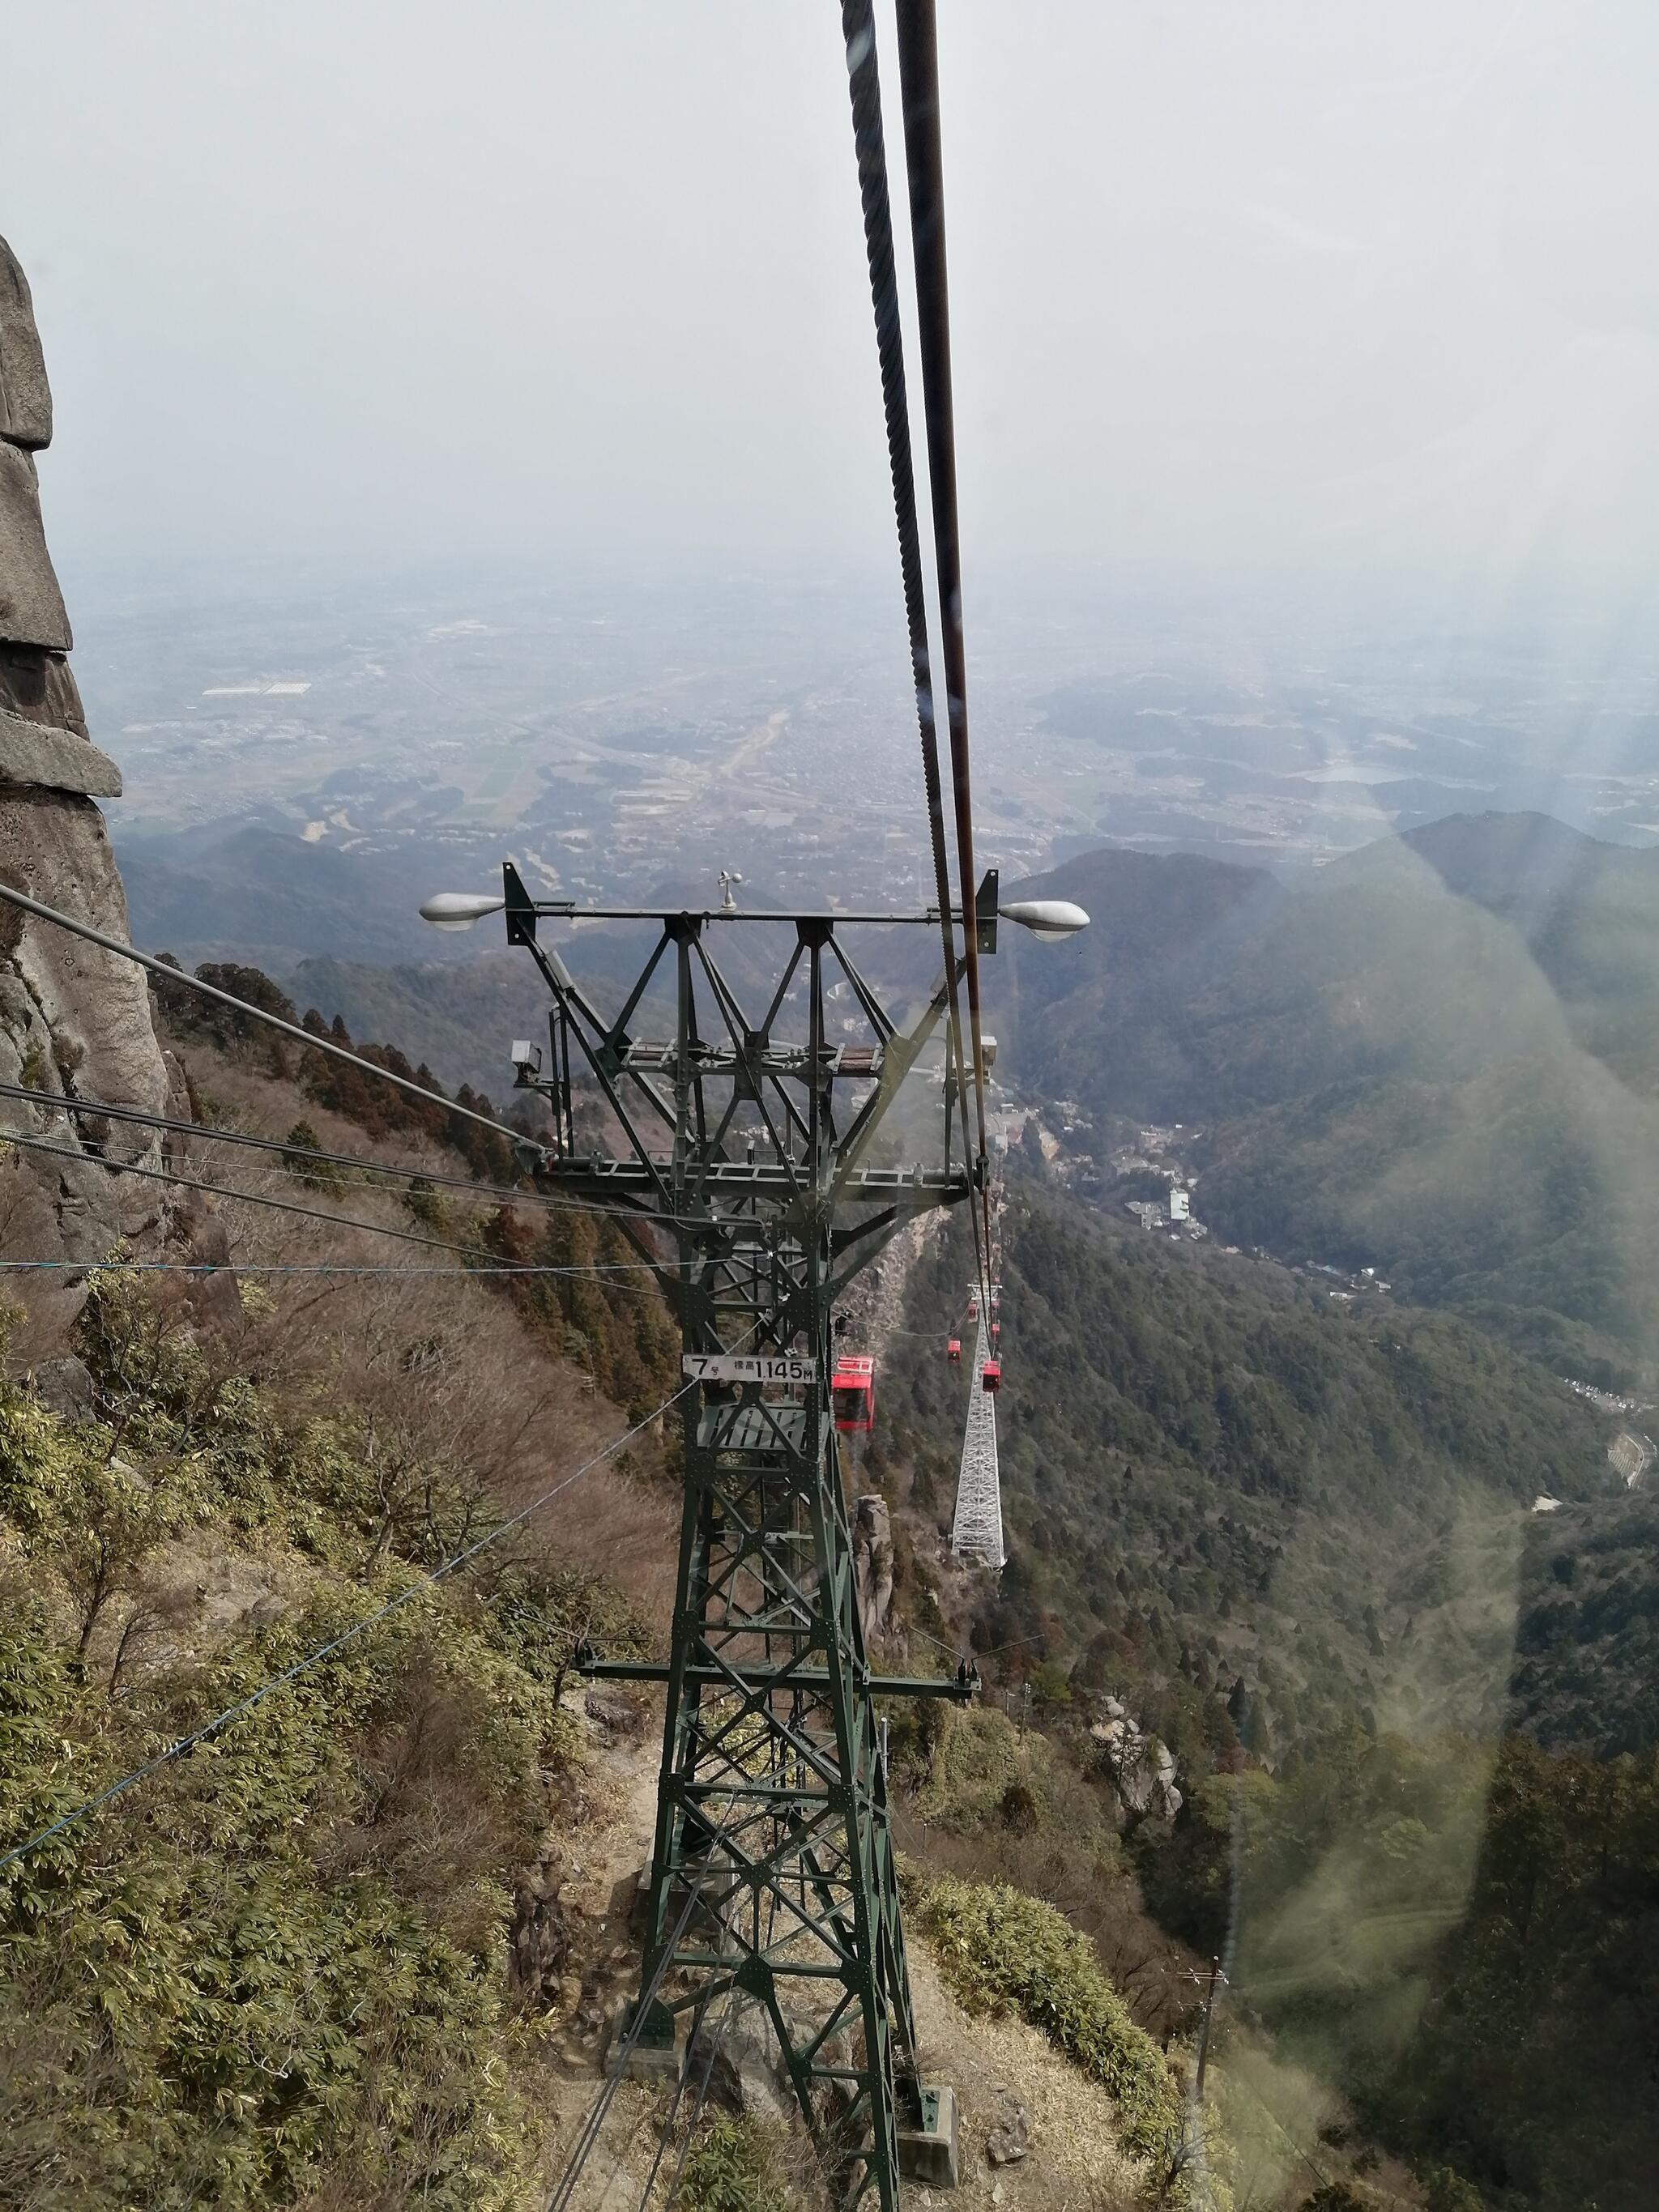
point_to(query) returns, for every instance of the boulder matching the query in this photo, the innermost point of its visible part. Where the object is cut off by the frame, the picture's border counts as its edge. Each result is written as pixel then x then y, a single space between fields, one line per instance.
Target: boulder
pixel 31 605
pixel 25 394
pixel 873 1562
pixel 1009 2139
pixel 741 2060
pixel 613 1714
pixel 32 752
pixel 538 1936
pixel 197 1232
pixel 66 1386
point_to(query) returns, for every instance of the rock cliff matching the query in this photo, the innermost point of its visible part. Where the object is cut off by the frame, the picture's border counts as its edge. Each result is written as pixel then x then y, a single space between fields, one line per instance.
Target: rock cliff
pixel 74 1021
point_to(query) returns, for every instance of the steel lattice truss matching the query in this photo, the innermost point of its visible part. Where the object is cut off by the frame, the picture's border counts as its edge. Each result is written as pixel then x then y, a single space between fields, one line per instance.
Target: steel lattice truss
pixel 773 1746
pixel 977 1528
pixel 740 1147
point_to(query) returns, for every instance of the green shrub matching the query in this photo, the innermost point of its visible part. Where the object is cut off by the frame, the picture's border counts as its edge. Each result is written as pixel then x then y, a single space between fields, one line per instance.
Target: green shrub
pixel 730 2167
pixel 974 1760
pixel 1002 1952
pixel 275 1971
pixel 1446 2191
pixel 316 1174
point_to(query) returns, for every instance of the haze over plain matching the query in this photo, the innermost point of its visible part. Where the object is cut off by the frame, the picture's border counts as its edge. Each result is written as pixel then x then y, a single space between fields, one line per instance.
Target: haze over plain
pixel 1284 287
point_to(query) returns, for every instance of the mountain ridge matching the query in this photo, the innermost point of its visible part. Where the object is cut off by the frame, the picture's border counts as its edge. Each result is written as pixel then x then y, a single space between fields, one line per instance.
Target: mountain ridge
pixel 1389 1071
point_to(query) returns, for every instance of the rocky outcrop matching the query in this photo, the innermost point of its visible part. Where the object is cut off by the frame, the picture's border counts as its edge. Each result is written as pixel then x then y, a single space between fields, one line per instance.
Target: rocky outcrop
pixel 872 1563
pixel 54 760
pixel 538 1939
pixel 75 1020
pixel 1008 2140
pixel 1142 1769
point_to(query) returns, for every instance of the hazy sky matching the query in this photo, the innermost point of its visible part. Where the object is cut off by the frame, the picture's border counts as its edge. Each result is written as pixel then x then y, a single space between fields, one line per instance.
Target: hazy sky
pixel 1290 281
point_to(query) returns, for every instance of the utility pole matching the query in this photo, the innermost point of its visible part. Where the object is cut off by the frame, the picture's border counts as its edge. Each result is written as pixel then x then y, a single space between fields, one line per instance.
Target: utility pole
pixel 1215 1976
pixel 744 1178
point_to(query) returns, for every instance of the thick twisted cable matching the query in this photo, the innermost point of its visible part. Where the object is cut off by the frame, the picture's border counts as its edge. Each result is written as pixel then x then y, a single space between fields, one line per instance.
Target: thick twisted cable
pixel 864 88
pixel 918 47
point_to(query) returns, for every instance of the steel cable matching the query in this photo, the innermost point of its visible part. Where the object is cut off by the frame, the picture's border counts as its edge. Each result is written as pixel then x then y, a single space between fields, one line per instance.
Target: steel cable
pixel 52 1102
pixel 918 45
pixel 322 1268
pixel 597 2112
pixel 148 960
pixel 864 87
pixel 509 1194
pixel 255 1198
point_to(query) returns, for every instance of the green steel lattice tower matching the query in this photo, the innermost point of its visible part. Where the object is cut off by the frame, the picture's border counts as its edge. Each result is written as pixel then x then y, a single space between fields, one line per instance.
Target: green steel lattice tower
pixel 747 1151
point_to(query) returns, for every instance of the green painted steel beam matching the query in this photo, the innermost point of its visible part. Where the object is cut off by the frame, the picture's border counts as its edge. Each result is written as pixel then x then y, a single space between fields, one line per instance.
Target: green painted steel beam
pixel 794 1678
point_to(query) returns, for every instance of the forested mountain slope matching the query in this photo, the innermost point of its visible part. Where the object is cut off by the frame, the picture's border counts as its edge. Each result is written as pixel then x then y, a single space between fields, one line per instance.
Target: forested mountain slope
pixel 1296 1537
pixel 1201 1449
pixel 294 1963
pixel 273 1540
pixel 1587 1643
pixel 1454 1088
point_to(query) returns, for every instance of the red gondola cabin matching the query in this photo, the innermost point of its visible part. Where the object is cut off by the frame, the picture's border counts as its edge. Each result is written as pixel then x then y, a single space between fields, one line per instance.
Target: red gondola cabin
pixel 953 1352
pixel 973 1309
pixel 990 1376
pixel 853 1394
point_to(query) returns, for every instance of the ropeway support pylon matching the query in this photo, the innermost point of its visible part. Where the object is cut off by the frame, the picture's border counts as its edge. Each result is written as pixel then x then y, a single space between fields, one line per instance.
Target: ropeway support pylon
pixel 976 1528
pixel 744 1176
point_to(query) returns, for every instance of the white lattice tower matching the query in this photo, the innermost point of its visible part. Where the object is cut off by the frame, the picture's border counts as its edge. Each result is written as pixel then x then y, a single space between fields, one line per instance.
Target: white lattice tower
pixel 976 1531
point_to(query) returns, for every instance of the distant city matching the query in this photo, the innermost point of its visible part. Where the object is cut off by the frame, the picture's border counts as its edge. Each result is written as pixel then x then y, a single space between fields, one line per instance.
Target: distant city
pixel 627 744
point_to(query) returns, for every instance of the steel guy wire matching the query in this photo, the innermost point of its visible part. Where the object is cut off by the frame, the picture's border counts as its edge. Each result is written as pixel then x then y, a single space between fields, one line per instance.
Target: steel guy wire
pixel 599 2111
pixel 691 2124
pixel 52 1101
pixel 693 2031
pixel 252 1198
pixel 321 1267
pixel 509 1194
pixel 708 2075
pixel 148 960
